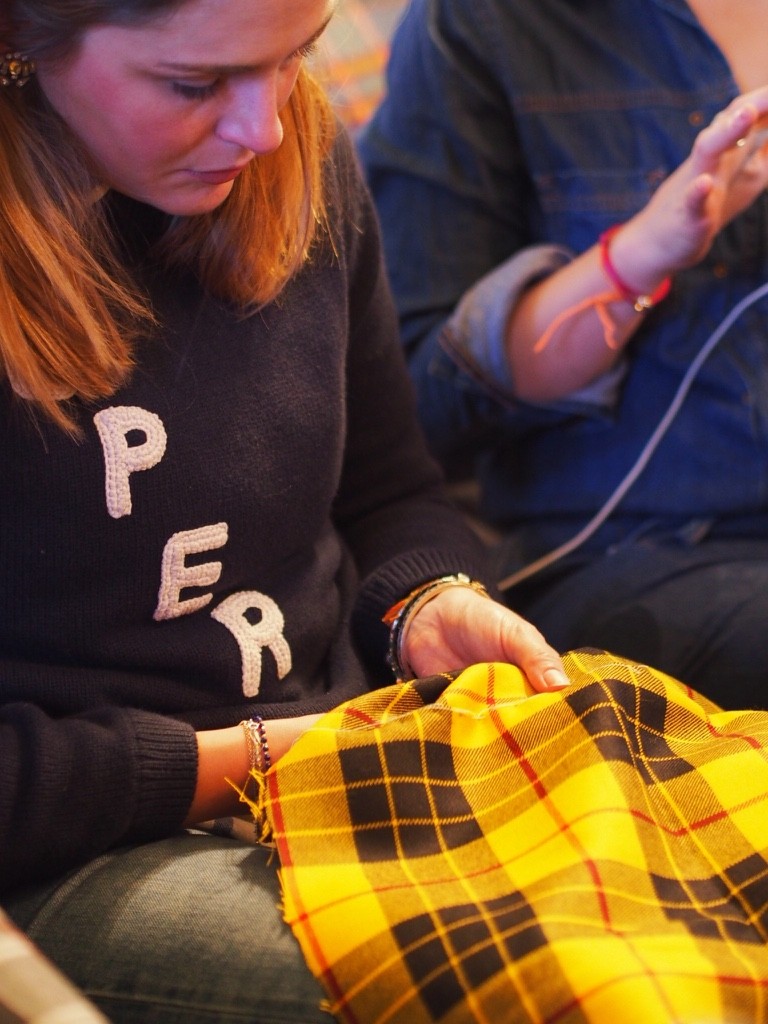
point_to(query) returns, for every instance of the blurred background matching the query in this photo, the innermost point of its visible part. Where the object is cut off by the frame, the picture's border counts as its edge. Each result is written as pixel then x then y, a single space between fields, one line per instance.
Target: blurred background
pixel 353 53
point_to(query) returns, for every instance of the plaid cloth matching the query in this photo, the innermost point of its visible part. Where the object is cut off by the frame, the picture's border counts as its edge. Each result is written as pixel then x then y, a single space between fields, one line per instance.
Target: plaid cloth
pixel 456 849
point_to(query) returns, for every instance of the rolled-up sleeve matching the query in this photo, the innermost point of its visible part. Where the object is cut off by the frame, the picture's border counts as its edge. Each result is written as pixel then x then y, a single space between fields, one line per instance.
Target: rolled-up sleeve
pixel 475 335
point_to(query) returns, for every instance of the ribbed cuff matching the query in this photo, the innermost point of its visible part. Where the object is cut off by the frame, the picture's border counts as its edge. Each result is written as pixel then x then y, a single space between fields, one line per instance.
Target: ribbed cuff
pixel 166 757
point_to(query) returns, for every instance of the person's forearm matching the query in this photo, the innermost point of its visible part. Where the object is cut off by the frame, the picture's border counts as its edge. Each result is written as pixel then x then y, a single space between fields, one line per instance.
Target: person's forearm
pixel 223 755
pixel 582 347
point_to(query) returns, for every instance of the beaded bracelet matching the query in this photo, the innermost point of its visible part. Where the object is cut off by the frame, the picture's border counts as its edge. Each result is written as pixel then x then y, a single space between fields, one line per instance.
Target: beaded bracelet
pixel 400 615
pixel 259 759
pixel 640 302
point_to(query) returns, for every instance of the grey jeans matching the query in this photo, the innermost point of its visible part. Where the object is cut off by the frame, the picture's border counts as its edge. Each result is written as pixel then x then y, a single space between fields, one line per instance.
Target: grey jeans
pixel 187 930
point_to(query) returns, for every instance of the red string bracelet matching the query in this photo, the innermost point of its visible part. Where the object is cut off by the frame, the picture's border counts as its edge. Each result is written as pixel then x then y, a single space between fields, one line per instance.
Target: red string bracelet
pixel 640 302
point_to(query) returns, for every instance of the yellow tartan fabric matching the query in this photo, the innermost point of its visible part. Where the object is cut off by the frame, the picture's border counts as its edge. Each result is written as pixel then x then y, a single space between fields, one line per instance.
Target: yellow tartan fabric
pixel 460 850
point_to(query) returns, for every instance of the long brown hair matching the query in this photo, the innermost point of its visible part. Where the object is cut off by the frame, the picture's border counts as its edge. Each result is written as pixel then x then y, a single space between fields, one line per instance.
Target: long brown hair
pixel 69 314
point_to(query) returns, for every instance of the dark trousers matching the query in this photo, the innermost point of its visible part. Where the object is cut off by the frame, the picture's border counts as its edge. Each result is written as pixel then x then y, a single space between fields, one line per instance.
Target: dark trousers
pixel 696 611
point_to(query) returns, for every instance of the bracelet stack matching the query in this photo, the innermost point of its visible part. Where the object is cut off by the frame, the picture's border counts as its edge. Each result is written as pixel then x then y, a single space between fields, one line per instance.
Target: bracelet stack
pixel 400 615
pixel 259 760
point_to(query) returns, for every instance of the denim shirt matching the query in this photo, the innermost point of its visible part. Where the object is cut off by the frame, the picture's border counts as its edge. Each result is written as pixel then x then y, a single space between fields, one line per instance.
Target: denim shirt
pixel 513 133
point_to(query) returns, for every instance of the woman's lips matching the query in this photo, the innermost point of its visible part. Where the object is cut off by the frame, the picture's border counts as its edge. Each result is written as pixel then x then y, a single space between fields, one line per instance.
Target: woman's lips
pixel 220 177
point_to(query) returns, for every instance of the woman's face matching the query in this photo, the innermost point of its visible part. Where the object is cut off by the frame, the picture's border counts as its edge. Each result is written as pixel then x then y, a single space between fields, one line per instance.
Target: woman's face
pixel 172 111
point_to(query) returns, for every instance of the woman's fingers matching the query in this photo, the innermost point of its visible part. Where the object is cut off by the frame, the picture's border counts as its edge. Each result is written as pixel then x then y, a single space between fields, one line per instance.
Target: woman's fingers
pixel 525 647
pixel 460 628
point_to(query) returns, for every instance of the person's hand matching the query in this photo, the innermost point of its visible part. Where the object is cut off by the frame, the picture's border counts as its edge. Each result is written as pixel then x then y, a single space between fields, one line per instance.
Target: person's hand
pixel 724 173
pixel 460 627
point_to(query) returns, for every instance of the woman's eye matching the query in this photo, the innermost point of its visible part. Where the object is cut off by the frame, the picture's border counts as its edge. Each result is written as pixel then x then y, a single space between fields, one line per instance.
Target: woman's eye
pixel 195 92
pixel 305 51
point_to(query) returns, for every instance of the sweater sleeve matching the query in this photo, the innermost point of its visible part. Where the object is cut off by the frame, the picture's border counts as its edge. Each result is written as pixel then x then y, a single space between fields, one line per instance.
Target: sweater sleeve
pixel 73 787
pixel 392 506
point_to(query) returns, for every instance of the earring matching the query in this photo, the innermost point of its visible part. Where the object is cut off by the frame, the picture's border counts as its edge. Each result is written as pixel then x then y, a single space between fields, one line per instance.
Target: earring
pixel 15 69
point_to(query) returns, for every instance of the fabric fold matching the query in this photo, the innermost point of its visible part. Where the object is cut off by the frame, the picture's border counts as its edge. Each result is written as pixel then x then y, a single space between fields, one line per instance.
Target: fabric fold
pixel 460 849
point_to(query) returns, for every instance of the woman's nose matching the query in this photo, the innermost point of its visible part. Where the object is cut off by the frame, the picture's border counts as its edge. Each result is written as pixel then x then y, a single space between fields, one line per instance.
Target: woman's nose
pixel 252 118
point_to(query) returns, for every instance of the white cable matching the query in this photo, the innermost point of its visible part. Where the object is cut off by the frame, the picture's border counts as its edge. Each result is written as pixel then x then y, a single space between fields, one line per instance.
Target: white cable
pixel 642 461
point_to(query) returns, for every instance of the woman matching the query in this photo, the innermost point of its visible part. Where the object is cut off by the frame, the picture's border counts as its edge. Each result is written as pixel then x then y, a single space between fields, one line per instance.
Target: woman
pixel 215 486
pixel 573 201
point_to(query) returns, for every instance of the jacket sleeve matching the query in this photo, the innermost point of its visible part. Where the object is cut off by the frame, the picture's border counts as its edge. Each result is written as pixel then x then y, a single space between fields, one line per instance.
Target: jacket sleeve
pixel 454 195
pixel 446 172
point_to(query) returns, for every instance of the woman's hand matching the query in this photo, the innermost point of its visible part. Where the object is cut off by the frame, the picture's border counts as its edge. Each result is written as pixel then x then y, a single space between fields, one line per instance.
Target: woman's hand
pixel 724 173
pixel 457 628
pixel 223 755
pixel 460 627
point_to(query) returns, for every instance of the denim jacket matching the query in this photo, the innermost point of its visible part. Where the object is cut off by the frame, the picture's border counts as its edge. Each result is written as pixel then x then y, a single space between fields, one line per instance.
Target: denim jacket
pixel 513 133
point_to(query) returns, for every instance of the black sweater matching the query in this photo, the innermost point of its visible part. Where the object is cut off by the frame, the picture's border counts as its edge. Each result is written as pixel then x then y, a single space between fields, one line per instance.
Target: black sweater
pixel 224 536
